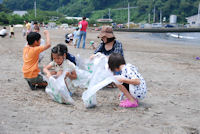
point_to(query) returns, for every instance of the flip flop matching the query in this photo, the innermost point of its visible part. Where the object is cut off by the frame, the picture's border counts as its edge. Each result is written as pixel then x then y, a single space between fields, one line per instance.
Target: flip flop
pixel 128 104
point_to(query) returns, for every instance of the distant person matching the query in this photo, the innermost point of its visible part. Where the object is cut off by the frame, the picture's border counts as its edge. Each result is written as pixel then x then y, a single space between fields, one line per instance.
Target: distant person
pixel 35 24
pixel 68 38
pixel 109 43
pixel 28 27
pixel 12 34
pixel 42 42
pixel 75 36
pixel 31 57
pixel 83 26
pixel 3 32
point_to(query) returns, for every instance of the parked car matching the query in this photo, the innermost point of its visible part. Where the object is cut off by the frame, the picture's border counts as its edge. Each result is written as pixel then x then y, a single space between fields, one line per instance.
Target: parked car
pixel 169 26
pixel 156 25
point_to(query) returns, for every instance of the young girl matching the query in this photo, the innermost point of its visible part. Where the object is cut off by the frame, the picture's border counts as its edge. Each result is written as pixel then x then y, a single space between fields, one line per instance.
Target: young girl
pixel 60 63
pixel 134 86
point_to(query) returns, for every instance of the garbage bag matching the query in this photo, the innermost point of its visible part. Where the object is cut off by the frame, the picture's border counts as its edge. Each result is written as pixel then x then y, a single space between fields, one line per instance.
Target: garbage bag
pixel 58 91
pixel 101 76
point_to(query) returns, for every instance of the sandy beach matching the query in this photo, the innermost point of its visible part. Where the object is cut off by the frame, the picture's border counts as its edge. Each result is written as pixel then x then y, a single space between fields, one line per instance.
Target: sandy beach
pixel 171 106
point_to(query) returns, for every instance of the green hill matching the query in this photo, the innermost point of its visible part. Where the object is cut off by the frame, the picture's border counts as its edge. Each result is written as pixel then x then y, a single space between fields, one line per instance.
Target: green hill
pixel 99 8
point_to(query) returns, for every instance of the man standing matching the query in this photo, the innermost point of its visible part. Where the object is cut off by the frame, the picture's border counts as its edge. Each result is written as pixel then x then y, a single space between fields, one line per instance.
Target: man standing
pixel 83 26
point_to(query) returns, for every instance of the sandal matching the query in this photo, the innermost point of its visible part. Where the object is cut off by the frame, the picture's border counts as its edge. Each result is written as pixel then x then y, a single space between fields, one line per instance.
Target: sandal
pixel 127 104
pixel 124 101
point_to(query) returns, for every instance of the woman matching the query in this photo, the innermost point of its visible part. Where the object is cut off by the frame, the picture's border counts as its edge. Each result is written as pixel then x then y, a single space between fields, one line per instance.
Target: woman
pixel 109 43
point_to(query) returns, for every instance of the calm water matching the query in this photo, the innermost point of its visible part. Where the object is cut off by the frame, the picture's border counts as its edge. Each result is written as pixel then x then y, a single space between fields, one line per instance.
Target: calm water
pixel 181 38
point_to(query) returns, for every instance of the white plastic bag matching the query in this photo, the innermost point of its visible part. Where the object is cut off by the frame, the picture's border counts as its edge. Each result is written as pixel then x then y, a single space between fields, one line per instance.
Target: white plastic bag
pixel 58 91
pixel 101 76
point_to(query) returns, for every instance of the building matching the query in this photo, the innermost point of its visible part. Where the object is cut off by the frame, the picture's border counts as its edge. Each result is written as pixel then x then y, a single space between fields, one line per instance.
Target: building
pixel 75 18
pixel 105 20
pixel 20 13
pixel 193 20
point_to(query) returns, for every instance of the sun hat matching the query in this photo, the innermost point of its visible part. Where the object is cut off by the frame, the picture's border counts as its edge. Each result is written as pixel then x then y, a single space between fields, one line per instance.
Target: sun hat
pixel 106 31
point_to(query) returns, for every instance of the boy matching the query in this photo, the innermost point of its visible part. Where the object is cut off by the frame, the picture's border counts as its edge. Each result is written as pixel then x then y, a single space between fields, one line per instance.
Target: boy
pixel 31 58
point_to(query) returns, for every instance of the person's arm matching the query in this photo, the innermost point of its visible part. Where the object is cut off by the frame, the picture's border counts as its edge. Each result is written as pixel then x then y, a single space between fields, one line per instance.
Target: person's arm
pixel 118 48
pixel 71 75
pixel 46 70
pixel 47 45
pixel 99 49
pixel 129 81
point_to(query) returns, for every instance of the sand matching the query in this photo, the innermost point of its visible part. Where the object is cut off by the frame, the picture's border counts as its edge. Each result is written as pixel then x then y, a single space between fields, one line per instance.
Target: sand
pixel 171 107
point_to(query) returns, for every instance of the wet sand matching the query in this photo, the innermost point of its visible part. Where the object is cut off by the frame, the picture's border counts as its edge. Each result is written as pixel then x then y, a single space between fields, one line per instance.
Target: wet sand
pixel 171 107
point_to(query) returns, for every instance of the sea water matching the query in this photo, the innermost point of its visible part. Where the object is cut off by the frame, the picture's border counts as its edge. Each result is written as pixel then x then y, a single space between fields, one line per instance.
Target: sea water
pixel 185 38
pixel 189 38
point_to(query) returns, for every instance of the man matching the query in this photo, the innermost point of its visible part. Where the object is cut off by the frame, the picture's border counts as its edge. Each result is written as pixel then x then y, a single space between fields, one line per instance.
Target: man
pixel 83 26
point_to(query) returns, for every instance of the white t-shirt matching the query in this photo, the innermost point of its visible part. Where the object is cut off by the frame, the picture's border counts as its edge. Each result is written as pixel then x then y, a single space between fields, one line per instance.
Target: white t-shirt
pixel 75 33
pixel 3 32
pixel 65 66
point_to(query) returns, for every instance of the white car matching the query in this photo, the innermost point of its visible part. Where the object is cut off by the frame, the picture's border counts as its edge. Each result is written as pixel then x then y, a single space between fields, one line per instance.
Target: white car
pixel 156 25
pixel 64 26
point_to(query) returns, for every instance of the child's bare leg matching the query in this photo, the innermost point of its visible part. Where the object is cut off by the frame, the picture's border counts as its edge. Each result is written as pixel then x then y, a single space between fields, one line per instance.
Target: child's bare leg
pixel 93 46
pixel 126 93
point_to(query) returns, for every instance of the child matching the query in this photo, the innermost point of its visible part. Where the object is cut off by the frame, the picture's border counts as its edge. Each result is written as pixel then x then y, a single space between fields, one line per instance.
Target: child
pixel 31 57
pixel 12 34
pixel 92 44
pixel 68 38
pixel 60 63
pixel 133 86
pixel 75 36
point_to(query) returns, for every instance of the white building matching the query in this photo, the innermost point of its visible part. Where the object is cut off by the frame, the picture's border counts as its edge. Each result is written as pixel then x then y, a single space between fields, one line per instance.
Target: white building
pixel 75 18
pixel 20 13
pixel 193 20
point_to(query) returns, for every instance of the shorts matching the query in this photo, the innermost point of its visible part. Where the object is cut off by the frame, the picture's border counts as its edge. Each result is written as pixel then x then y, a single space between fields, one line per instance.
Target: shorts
pixel 3 35
pixel 12 33
pixel 37 82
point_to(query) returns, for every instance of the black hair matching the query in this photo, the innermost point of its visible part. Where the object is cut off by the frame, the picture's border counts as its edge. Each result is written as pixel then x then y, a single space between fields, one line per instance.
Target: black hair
pixel 35 22
pixel 115 61
pixel 11 25
pixel 32 37
pixel 84 18
pixel 4 27
pixel 59 49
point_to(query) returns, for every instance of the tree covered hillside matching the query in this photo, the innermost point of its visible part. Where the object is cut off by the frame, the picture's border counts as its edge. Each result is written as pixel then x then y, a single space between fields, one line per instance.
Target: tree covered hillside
pixel 99 8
